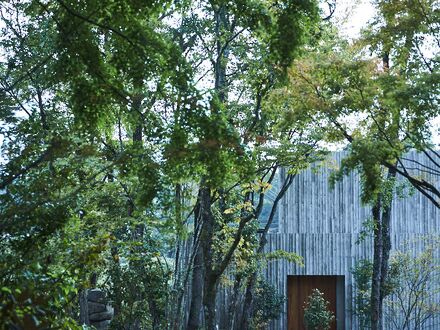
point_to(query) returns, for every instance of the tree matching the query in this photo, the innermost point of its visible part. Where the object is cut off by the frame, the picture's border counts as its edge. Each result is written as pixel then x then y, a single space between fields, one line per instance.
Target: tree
pixel 69 80
pixel 107 132
pixel 413 301
pixel 410 292
pixel 393 98
pixel 136 131
pixel 228 151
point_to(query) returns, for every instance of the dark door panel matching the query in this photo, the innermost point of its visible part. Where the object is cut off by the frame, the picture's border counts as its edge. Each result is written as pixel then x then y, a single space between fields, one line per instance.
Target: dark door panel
pixel 299 289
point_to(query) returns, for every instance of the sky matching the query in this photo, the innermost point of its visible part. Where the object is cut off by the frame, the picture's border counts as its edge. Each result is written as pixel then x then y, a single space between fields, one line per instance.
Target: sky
pixel 353 16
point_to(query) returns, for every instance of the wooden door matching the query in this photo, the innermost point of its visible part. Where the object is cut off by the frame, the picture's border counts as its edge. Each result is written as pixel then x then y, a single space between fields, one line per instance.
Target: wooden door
pixel 299 289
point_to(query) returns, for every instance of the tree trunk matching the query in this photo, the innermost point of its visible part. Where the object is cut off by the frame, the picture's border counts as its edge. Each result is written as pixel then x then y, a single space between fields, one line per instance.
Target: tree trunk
pixel 248 303
pixel 248 300
pixel 382 242
pixel 382 248
pixel 196 291
pixel 221 25
pixel 208 220
pixel 197 275
pixel 377 267
pixel 233 303
pixel 174 310
pixel 209 303
pixel 386 240
pixel 206 242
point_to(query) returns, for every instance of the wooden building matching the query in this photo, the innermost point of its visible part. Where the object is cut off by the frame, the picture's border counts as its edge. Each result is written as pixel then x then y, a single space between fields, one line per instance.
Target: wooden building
pixel 323 226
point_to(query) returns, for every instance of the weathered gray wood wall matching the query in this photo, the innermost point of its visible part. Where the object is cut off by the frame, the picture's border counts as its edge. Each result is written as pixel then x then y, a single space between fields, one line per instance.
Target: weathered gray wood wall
pixel 323 225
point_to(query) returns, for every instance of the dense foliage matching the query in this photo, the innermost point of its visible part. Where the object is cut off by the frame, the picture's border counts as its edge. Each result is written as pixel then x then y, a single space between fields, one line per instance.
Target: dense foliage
pixel 145 146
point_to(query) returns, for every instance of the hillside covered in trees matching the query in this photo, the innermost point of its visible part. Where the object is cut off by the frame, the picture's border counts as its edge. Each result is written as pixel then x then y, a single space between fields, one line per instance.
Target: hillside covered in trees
pixel 146 145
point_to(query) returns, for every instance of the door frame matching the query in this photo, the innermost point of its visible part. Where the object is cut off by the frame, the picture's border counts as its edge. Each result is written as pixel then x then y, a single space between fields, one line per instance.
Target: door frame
pixel 339 282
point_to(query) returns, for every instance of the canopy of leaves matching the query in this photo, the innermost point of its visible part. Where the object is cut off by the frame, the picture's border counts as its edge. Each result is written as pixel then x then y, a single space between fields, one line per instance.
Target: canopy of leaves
pixel 102 118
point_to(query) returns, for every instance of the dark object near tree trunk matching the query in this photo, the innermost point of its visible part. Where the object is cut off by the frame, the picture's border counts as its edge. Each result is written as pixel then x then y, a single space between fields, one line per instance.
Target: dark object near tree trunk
pixel 94 309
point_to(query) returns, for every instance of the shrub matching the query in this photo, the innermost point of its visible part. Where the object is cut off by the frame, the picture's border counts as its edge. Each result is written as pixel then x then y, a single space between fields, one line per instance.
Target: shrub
pixel 268 304
pixel 414 300
pixel 316 313
pixel 362 273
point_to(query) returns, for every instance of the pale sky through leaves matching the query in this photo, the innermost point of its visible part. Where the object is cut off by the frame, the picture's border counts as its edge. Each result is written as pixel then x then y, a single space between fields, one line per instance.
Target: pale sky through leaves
pixel 351 17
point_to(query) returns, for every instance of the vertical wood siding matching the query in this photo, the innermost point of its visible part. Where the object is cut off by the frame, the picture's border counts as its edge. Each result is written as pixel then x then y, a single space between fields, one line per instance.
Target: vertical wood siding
pixel 323 225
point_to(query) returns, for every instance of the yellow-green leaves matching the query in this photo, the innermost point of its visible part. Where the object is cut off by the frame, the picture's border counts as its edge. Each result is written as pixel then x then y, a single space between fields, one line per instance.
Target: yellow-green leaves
pixel 284 255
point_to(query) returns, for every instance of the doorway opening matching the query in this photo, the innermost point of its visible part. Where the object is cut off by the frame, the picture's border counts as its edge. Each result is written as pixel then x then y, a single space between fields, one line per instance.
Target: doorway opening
pixel 299 288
